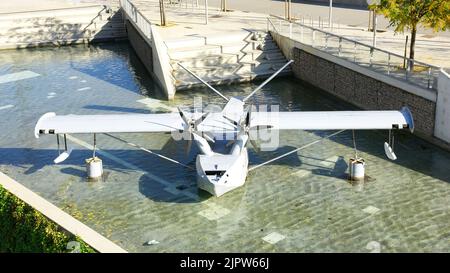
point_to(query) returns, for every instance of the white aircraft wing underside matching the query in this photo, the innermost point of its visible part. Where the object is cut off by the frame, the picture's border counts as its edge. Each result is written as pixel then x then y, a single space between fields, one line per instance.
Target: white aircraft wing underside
pixel 334 120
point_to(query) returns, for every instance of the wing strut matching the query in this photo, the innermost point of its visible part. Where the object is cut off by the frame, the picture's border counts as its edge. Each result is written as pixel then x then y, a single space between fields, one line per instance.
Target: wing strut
pixel 267 81
pixel 202 81
pixel 295 150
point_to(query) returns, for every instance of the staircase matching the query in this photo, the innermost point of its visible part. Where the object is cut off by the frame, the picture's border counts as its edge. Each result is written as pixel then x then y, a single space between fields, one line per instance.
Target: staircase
pixel 224 58
pixel 61 26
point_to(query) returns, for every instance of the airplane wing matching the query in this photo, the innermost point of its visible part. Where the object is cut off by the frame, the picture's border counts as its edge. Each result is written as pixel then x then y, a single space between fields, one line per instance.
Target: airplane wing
pixel 334 120
pixel 50 123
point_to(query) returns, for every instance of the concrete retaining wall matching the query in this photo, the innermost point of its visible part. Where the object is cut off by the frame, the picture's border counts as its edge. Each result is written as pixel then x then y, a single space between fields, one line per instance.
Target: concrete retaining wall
pixel 442 129
pixel 154 59
pixel 140 46
pixel 60 26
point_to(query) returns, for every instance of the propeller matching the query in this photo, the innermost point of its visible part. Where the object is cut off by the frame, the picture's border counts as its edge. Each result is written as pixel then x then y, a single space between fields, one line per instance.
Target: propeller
pixel 191 127
pixel 245 127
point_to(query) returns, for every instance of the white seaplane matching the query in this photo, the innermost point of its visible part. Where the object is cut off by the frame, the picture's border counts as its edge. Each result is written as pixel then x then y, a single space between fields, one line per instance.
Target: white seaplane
pixel 221 172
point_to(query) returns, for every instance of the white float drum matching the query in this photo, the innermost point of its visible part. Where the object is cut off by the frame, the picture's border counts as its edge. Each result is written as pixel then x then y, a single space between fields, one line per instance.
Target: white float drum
pixel 357 169
pixel 94 167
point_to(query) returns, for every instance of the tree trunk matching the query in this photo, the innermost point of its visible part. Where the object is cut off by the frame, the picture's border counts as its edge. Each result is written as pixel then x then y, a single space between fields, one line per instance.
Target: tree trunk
pixel 413 44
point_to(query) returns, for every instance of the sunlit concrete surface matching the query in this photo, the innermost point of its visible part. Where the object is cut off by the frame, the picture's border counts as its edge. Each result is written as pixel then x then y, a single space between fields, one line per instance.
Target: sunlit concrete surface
pixel 299 204
pixel 186 20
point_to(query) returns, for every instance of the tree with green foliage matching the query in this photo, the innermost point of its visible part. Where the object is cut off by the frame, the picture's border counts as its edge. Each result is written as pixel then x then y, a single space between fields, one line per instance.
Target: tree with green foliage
pixel 24 229
pixel 409 14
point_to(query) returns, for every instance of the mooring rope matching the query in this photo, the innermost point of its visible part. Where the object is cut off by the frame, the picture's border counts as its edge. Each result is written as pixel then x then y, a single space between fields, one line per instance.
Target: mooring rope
pixel 150 152
pixel 295 150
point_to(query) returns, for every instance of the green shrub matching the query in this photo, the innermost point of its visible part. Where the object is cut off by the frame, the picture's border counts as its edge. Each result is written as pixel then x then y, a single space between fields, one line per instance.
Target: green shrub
pixel 23 229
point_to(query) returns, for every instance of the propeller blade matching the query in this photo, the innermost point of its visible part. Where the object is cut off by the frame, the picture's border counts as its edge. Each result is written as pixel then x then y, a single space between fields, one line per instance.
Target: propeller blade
pixel 183 115
pixel 200 120
pixel 236 124
pixel 247 119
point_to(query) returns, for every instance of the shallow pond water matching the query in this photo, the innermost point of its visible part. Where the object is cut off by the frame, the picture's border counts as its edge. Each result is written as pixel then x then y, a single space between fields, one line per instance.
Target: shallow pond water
pixel 302 203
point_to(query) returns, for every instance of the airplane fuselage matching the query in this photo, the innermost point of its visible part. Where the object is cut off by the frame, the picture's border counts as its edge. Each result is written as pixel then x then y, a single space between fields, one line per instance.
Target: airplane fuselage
pixel 220 173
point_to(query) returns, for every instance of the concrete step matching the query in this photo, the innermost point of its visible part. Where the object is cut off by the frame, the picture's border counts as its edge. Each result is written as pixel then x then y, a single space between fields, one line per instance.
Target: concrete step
pixel 227 58
pixel 213 39
pixel 66 12
pixel 39 29
pixel 206 50
pixel 49 33
pixel 187 83
pixel 74 19
pixel 190 52
pixel 224 70
pixel 62 40
pixel 244 46
pixel 49 36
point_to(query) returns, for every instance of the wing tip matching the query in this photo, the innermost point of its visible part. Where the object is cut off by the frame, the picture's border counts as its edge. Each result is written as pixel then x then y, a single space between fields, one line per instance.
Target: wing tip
pixel 408 117
pixel 39 122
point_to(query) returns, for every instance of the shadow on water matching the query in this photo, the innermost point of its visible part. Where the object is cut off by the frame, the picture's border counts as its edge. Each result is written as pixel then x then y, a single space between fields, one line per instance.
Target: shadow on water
pixel 176 184
pixel 111 69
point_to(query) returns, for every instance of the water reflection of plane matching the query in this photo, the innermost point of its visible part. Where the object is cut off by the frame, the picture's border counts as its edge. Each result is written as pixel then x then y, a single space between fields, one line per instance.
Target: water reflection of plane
pixel 225 167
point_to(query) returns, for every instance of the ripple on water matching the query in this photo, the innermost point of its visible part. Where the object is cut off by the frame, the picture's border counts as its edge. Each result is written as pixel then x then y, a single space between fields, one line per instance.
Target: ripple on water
pixel 304 198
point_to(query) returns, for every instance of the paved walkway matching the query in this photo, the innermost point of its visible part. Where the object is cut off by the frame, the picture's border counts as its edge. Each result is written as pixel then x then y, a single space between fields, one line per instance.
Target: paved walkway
pixel 433 48
pixel 190 21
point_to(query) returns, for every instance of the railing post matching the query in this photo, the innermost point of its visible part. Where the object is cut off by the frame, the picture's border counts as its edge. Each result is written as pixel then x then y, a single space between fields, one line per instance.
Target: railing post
pixel 268 25
pixel 301 34
pixel 429 78
pixel 408 67
pixel 313 38
pixel 340 46
pixel 326 40
pixel 354 52
pixel 206 11
pixel 290 30
pixel 389 63
pixel 371 55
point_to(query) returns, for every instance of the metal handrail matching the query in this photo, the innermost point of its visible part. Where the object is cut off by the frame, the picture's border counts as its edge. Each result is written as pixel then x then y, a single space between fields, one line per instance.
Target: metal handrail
pixel 410 76
pixel 354 41
pixel 132 14
pixel 270 21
